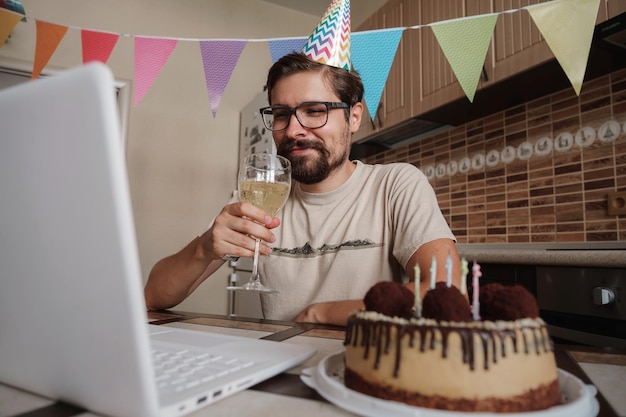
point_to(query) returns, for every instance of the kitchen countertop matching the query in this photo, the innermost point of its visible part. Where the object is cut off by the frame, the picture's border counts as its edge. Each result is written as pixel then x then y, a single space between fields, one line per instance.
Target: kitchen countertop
pixel 597 254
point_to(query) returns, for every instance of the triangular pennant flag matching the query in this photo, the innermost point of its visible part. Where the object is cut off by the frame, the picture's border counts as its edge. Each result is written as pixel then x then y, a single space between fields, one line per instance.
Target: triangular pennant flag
pixel 49 36
pixel 372 55
pixel 150 56
pixel 97 46
pixel 281 47
pixel 568 28
pixel 219 59
pixel 8 20
pixel 465 42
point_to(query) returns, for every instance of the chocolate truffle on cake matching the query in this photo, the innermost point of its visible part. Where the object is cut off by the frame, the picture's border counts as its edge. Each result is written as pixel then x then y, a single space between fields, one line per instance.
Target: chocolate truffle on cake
pixel 505 302
pixel 389 298
pixel 446 303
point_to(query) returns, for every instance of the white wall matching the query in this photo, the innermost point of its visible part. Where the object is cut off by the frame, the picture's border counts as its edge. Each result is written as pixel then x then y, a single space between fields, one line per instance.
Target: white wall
pixel 182 162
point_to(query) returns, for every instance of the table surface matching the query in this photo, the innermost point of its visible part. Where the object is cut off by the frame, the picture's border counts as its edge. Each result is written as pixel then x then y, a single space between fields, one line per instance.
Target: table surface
pixel 280 395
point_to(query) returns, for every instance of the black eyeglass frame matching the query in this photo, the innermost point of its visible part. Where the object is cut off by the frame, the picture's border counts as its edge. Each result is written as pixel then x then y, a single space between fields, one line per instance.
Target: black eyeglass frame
pixel 294 110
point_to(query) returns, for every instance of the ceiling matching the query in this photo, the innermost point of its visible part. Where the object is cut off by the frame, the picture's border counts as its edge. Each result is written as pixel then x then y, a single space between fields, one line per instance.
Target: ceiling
pixel 360 9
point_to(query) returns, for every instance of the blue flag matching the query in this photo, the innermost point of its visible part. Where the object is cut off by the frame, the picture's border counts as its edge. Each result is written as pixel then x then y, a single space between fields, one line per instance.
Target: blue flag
pixel 372 55
pixel 281 47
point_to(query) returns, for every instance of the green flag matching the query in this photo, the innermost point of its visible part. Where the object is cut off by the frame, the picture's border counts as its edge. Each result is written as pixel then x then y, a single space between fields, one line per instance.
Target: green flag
pixel 464 42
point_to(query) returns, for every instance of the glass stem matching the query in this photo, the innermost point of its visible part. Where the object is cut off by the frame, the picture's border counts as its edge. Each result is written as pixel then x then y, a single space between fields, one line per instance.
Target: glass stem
pixel 255 264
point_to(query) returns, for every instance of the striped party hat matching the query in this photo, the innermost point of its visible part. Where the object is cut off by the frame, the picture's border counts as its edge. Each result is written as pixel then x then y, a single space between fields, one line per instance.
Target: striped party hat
pixel 330 41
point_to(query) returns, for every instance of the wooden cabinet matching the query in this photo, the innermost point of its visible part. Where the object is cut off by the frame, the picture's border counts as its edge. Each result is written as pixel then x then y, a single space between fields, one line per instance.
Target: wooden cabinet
pixel 518 44
pixel 421 78
pixel 394 106
pixel 435 83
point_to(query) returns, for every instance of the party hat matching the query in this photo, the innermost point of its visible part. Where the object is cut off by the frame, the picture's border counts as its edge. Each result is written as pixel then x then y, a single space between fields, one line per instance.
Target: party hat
pixel 330 41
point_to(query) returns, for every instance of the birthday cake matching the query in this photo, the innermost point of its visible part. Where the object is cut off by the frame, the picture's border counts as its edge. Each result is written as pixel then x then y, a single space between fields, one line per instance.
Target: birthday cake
pixel 447 359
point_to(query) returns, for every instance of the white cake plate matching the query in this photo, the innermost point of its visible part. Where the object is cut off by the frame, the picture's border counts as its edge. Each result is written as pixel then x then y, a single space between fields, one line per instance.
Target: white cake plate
pixel 579 399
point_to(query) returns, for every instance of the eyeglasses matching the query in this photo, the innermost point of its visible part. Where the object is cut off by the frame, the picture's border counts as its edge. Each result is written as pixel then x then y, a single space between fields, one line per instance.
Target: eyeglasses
pixel 311 114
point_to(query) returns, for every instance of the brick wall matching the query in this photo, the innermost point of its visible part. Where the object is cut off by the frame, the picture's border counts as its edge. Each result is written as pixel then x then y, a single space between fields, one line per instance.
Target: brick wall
pixel 537 172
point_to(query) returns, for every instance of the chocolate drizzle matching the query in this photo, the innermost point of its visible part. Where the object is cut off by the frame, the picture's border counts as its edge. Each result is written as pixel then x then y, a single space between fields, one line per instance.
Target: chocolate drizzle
pixel 377 335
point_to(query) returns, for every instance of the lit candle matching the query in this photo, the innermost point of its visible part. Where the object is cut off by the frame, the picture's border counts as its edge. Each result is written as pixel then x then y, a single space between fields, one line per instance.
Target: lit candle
pixel 418 298
pixel 449 270
pixel 464 272
pixel 433 273
pixel 476 304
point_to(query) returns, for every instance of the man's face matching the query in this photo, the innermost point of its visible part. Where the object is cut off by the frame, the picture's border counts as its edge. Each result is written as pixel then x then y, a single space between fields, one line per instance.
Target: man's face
pixel 313 153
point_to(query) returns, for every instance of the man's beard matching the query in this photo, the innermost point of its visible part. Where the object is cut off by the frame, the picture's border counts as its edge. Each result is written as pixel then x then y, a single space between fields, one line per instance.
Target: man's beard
pixel 308 169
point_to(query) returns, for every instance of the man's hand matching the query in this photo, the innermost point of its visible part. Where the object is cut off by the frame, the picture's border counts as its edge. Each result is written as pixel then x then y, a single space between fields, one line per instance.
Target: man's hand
pixel 331 312
pixel 232 230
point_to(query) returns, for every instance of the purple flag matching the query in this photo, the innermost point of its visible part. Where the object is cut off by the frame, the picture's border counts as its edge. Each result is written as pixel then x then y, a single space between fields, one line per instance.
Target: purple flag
pixel 219 59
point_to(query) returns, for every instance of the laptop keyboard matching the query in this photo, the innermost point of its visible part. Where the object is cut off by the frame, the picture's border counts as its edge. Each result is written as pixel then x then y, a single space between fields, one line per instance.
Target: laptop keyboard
pixel 177 370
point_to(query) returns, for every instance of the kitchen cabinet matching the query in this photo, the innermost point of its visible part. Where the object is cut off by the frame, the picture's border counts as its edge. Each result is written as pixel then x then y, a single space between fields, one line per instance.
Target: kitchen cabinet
pixel 434 82
pixel 394 105
pixel 421 78
pixel 518 44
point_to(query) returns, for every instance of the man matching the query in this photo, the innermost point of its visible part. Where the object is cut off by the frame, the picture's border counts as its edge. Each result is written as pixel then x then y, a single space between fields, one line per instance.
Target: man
pixel 345 226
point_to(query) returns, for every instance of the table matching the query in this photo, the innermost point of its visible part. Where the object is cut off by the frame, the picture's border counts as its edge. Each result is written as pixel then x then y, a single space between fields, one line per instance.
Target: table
pixel 281 395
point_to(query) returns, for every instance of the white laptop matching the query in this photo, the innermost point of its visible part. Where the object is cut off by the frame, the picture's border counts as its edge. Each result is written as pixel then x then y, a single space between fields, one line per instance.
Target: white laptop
pixel 73 323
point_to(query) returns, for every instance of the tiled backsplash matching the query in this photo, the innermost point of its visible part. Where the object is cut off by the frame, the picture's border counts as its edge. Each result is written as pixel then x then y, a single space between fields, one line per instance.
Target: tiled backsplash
pixel 535 173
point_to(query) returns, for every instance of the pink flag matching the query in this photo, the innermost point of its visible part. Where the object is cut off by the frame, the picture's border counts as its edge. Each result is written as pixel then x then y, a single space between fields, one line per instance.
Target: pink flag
pixel 150 56
pixel 219 59
pixel 97 46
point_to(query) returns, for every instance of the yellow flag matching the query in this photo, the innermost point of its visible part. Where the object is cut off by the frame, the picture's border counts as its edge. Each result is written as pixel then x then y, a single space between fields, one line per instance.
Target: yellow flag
pixel 8 20
pixel 567 26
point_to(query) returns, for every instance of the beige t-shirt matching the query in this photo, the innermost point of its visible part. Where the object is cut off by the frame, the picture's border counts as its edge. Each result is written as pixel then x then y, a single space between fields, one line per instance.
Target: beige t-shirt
pixel 336 245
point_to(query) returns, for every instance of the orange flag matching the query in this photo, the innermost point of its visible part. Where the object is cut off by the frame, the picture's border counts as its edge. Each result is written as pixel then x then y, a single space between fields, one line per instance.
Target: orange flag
pixel 8 20
pixel 48 37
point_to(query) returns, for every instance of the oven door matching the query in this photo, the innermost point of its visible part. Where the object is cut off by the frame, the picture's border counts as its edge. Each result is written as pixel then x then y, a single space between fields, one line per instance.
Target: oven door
pixel 583 305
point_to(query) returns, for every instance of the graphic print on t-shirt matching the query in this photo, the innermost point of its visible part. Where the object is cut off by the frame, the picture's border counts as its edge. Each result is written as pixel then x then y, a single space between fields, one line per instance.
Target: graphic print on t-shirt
pixel 307 251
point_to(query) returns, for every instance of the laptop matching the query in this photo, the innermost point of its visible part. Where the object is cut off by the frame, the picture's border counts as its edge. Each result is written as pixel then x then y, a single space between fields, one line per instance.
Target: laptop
pixel 73 322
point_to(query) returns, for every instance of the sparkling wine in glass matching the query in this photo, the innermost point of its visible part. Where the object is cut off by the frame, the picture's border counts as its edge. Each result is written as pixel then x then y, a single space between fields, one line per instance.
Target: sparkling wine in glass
pixel 264 180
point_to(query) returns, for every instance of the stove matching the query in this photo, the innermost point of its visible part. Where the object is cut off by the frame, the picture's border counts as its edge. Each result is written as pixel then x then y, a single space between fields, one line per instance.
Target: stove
pixel 584 305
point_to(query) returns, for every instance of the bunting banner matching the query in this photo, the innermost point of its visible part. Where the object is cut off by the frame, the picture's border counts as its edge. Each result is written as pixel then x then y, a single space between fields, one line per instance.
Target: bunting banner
pixel 97 46
pixel 8 20
pixel 150 56
pixel 49 35
pixel 227 53
pixel 465 42
pixel 382 45
pixel 566 25
pixel 281 47
pixel 568 30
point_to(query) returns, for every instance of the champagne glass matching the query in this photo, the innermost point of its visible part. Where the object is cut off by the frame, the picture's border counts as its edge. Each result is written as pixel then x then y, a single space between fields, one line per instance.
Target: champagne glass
pixel 264 180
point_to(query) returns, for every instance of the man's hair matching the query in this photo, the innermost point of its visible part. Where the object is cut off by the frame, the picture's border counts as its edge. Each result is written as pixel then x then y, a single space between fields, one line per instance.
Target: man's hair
pixel 346 84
